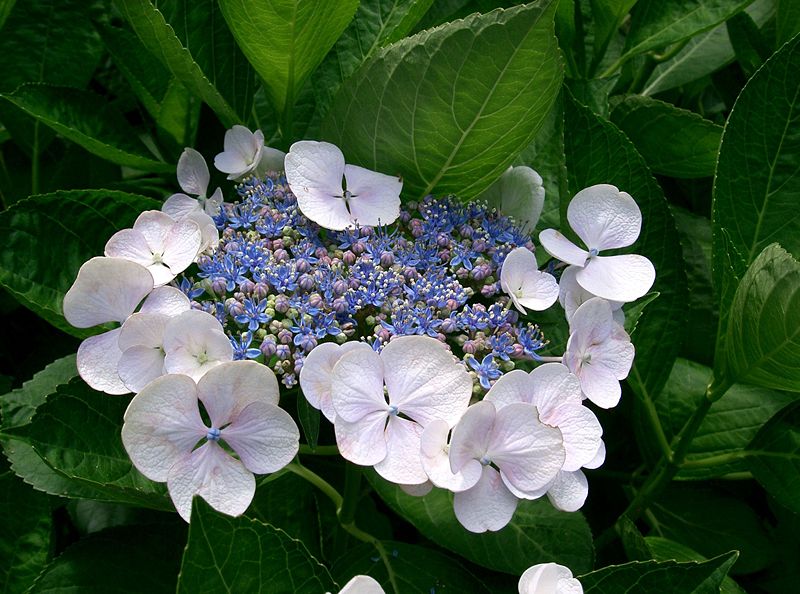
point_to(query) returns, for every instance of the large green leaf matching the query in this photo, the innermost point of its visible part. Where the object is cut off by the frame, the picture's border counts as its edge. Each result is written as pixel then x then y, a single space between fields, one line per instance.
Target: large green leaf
pixel 664 549
pixel 192 40
pixel 19 405
pixel 673 141
pixel 657 577
pixel 656 24
pixel 763 338
pixel 730 424
pixel 607 16
pixel 77 434
pixel 774 457
pixel 128 560
pixel 597 152
pixel 227 554
pixel 450 108
pixel 788 21
pixel 417 570
pixel 538 533
pixel 79 222
pixel 89 120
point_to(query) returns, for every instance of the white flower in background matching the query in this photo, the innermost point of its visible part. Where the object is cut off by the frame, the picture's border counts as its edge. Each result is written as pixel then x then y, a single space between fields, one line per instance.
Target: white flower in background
pixel 518 456
pixel 245 154
pixel 599 352
pixel 163 425
pixel 159 243
pixel 527 286
pixel 518 193
pixel 549 578
pixel 316 374
pixel 105 290
pixel 314 171
pixel 604 218
pixel 141 338
pixel 571 295
pixel 193 177
pixel 381 427
pixel 362 584
pixel 194 343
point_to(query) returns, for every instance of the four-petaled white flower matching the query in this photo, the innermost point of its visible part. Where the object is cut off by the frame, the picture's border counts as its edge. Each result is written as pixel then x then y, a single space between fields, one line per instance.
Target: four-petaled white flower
pixel 159 243
pixel 194 343
pixel 571 295
pixel 599 352
pixel 314 172
pixel 518 456
pixel 246 154
pixel 163 426
pixel 604 218
pixel 362 584
pixel 381 426
pixel 519 194
pixel 525 283
pixel 549 578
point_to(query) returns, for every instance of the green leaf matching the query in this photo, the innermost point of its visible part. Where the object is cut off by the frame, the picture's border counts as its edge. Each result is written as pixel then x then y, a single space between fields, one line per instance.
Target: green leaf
pixel 703 54
pixel 656 577
pixel 673 141
pixel 5 10
pixel 538 533
pixel 729 426
pixel 775 457
pixel 597 152
pixel 77 434
pixel 749 44
pixel 417 570
pixel 607 16
pixel 129 560
pixel 309 420
pixel 632 540
pixel 301 32
pixel 452 107
pixel 656 24
pixel 79 222
pixel 763 339
pixel 788 20
pixel 88 120
pixel 194 43
pixel 664 549
pixel 19 405
pixel 26 526
pixel 225 554
pixel 711 521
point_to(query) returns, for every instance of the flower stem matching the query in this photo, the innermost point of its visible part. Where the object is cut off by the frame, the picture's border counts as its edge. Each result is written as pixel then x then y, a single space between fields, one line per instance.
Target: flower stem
pixel 330 450
pixel 551 359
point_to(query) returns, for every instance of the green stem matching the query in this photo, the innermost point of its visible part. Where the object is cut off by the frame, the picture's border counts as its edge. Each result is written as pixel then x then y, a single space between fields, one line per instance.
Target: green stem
pixel 319 482
pixel 718 460
pixel 319 450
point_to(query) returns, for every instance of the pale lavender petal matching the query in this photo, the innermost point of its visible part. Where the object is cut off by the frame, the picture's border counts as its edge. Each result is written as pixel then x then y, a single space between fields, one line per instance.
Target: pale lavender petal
pixel 547 578
pixel 471 436
pixel 139 365
pixel 553 385
pixel 489 505
pixel 146 329
pixel 569 491
pixel 131 245
pixel 511 387
pixel 403 461
pixel 194 343
pixel 181 245
pixel 604 218
pixel 599 457
pixel 271 160
pixel 436 460
pixel 166 300
pixel 180 206
pixel 98 357
pixel 230 387
pixel 592 323
pixel 599 385
pixel 193 176
pixel 562 248
pixel 618 278
pixel 357 385
pixel 376 196
pixel 362 442
pixel 581 432
pixel 154 225
pixel 362 584
pixel 264 436
pixel 419 490
pixel 525 284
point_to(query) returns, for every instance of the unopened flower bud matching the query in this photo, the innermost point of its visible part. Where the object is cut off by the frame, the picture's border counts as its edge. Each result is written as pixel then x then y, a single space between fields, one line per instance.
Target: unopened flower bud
pixel 357 248
pixel 339 305
pixel 305 282
pixel 260 290
pixel 315 300
pixel 282 304
pixel 469 347
pixel 349 258
pixel 280 255
pixel 285 336
pixel 219 286
pixel 283 352
pixel 302 265
pixel 268 348
pixel 387 259
pixel 247 286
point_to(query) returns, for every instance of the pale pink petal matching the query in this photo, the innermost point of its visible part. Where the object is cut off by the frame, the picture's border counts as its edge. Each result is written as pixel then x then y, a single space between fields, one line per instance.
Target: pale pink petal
pixel 166 300
pixel 403 461
pixel 271 160
pixel 619 278
pixel 209 234
pixel 592 322
pixel 230 387
pixel 213 203
pixel 525 284
pixel 161 274
pixel 562 248
pixel 131 245
pixel 145 329
pixel 362 442
pixel 106 290
pixel 519 194
pixel 471 436
pixel 264 436
pixel 549 578
pixel 599 385
pixel 376 196
pixel 181 246
pixel 604 218
pixel 98 357
pixel 553 385
pixel 419 490
pixel 569 491
pixel 424 380
pixel 242 151
pixel 180 206
pixel 357 385
pixel 436 460
pixel 362 584
pixel 231 163
pixel 139 365
pixel 615 354
pixel 214 475
pixel 511 387
pixel 154 225
pixel 193 176
pixel 599 457
pixel 581 432
pixel 162 425
pixel 489 505
pixel 194 343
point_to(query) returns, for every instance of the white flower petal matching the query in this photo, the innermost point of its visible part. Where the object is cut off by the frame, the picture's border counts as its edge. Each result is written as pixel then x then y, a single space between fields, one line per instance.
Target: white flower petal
pixel 193 176
pixel 549 578
pixel 581 432
pixel 511 387
pixel 98 357
pixel 362 584
pixel 618 278
pixel 604 218
pixel 363 441
pixel 106 290
pixel 471 436
pixel 592 322
pixel 525 284
pixel 376 196
pixel 419 490
pixel 166 300
pixel 264 436
pixel 131 245
pixel 357 385
pixel 162 425
pixel 209 234
pixel 146 329
pixel 181 246
pixel 569 491
pixel 424 380
pixel 139 365
pixel 194 343
pixel 562 248
pixel 230 387
pixel 489 505
pixel 213 203
pixel 271 160
pixel 242 152
pixel 599 457
pixel 553 385
pixel 436 460
pixel 616 354
pixel 519 194
pixel 599 385
pixel 154 225
pixel 403 461
pixel 214 475
pixel 180 206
